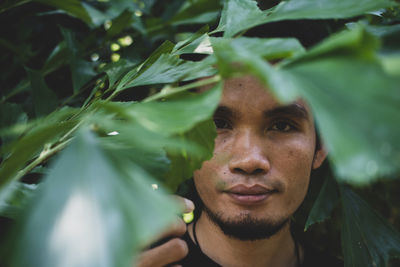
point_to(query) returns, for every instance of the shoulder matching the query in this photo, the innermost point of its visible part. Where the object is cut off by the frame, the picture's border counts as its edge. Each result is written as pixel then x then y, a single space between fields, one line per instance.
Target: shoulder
pixel 315 258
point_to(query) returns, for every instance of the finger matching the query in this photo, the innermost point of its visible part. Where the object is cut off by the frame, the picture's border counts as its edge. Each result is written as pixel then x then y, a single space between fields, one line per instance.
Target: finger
pixel 172 251
pixel 178 228
pixel 186 204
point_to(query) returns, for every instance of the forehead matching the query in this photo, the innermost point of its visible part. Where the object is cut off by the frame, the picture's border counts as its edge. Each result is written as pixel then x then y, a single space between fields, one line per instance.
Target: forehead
pixel 246 90
pixel 247 94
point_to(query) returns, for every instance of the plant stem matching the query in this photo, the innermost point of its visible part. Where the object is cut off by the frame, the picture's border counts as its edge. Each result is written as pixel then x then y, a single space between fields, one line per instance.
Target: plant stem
pixel 44 155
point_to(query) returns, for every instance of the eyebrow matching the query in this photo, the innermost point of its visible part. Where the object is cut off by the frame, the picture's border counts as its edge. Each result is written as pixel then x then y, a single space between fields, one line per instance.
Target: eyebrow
pixel 224 111
pixel 294 110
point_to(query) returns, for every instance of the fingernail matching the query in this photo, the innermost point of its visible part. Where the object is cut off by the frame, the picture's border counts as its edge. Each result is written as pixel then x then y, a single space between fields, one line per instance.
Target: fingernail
pixel 189 204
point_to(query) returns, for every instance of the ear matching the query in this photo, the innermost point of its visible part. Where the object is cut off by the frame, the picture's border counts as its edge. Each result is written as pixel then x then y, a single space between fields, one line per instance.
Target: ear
pixel 319 157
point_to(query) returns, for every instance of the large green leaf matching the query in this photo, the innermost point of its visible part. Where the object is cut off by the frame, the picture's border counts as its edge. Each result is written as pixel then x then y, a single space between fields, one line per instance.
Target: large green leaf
pixel 327 199
pixel 184 162
pixel 93 209
pixel 177 116
pixel 239 15
pixel 361 147
pixel 367 239
pixel 268 48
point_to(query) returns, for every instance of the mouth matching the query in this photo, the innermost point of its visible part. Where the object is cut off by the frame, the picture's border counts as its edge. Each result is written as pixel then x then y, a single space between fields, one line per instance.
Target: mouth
pixel 249 195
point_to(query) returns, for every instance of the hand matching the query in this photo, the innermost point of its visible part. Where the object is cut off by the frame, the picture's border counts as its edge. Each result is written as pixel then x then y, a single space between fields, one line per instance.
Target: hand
pixel 175 248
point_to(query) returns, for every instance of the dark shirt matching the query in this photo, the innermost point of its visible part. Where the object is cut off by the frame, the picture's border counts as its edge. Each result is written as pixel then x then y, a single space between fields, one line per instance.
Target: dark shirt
pixel 312 257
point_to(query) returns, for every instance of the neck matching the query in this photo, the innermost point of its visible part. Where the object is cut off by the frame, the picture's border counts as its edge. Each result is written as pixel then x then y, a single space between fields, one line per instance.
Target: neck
pixel 279 250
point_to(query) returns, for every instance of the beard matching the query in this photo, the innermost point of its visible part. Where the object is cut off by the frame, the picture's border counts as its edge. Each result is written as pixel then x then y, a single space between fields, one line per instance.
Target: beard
pixel 245 227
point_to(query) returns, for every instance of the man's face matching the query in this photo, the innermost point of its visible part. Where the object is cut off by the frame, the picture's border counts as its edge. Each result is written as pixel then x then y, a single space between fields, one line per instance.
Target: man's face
pixel 263 156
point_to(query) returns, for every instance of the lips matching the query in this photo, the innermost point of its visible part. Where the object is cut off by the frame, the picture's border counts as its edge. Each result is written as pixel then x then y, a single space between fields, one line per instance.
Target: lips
pixel 249 195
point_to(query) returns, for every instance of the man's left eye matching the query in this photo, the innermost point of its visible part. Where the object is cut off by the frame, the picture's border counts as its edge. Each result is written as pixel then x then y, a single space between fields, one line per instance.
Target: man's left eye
pixel 282 126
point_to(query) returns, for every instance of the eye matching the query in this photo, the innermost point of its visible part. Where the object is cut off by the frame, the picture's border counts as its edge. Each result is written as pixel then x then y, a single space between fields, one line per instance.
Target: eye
pixel 222 123
pixel 282 126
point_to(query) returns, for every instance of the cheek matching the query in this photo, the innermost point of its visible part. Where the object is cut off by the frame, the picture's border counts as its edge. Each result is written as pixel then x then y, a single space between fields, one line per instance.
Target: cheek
pixel 294 166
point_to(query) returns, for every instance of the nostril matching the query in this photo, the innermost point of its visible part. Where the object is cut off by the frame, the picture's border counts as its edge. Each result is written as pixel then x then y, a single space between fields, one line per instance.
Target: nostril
pixel 253 172
pixel 258 171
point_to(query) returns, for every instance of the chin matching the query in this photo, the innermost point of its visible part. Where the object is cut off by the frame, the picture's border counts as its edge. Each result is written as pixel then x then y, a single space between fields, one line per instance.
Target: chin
pixel 246 225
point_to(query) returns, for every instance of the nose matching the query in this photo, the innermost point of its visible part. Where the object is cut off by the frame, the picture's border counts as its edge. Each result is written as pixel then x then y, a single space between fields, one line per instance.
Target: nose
pixel 247 154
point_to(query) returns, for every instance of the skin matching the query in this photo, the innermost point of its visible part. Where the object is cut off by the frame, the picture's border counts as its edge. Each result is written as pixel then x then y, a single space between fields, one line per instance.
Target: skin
pixel 259 142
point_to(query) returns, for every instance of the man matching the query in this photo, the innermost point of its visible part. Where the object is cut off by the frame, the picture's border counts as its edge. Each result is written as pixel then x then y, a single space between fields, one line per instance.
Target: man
pixel 258 177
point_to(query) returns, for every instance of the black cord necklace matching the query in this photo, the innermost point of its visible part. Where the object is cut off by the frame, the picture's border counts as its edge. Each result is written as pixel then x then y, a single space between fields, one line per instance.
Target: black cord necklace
pixel 296 245
pixel 195 236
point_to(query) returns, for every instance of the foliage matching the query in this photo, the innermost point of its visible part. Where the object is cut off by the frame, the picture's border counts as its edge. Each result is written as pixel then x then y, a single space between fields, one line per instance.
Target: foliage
pixel 96 109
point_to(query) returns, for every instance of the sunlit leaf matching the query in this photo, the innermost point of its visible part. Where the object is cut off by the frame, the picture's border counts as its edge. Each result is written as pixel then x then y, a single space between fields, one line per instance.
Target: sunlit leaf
pixel 367 239
pixel 177 116
pixel 268 48
pixel 239 15
pixel 93 209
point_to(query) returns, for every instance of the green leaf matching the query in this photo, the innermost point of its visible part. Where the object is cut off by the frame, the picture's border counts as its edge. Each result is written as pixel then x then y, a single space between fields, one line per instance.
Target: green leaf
pixel 14 197
pixel 368 148
pixel 325 9
pixel 120 23
pixel 268 48
pixel 166 47
pixel 177 116
pixel 198 11
pixel 115 70
pixel 21 151
pixel 8 4
pixel 72 7
pixel 58 57
pixel 44 99
pixel 368 240
pixel 327 199
pixel 184 162
pixel 93 209
pixel 169 68
pixel 239 15
pixel 190 44
pixel 11 113
pixel 81 70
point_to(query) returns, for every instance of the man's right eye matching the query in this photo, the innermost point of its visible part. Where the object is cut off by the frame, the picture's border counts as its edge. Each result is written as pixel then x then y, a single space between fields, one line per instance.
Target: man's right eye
pixel 222 123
